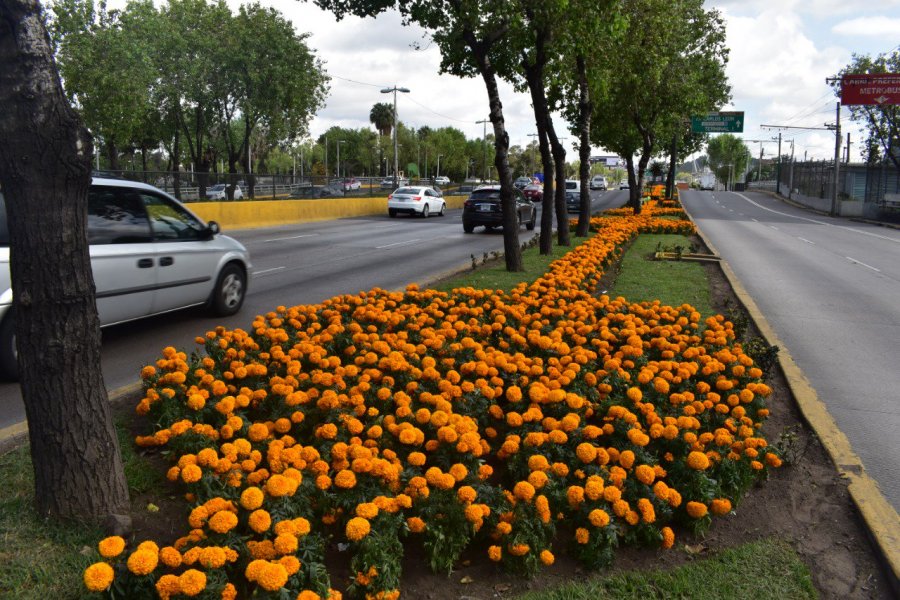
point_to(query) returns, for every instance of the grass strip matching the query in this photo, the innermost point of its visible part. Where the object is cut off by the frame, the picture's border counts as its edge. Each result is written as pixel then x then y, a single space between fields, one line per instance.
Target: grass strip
pixel 763 569
pixel 672 282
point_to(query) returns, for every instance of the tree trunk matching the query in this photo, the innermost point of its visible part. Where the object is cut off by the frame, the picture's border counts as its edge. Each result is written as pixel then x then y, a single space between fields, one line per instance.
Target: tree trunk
pixel 176 164
pixel 634 194
pixel 112 155
pixel 584 146
pixel 511 248
pixel 534 75
pixel 559 199
pixel 45 171
pixel 673 159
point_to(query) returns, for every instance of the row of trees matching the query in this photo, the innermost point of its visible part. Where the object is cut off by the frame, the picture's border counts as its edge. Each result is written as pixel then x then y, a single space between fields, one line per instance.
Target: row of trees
pixel 190 76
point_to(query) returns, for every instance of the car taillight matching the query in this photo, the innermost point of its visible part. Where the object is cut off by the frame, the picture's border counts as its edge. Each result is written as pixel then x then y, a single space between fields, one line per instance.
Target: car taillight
pixel 417 198
pixel 390 196
pixel 467 203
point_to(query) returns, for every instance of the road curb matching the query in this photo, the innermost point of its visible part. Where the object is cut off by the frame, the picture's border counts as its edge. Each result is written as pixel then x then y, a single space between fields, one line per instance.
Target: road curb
pixel 881 520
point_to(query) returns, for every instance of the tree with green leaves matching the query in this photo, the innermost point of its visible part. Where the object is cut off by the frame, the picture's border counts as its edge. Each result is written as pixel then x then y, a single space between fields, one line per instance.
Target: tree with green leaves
pixel 670 65
pixel 727 156
pixel 882 121
pixel 472 38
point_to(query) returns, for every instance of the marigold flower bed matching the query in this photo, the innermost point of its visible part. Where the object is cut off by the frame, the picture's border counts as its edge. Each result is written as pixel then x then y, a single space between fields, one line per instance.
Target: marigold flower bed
pixel 525 421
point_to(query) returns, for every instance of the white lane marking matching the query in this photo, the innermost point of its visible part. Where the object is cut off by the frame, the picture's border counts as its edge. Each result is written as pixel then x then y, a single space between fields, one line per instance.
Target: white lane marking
pixel 806 240
pixel 255 273
pixel 407 242
pixel 754 220
pixel 773 227
pixel 817 221
pixel 293 237
pixel 853 260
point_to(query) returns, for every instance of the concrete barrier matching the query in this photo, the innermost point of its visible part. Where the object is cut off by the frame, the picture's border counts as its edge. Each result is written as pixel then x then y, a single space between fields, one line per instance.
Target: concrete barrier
pixel 248 214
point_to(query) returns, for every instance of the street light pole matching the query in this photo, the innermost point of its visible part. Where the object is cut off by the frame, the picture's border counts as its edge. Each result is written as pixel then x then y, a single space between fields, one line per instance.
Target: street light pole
pixel 438 174
pixel 534 135
pixel 484 123
pixel 339 142
pixel 395 89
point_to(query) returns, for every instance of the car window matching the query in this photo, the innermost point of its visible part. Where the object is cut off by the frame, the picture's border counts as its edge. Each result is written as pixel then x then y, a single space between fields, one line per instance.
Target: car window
pixel 406 190
pixel 571 185
pixel 486 195
pixel 170 221
pixel 116 216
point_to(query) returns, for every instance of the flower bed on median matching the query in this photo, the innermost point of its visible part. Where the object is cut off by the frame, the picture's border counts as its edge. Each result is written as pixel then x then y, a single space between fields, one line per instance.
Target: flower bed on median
pixel 525 421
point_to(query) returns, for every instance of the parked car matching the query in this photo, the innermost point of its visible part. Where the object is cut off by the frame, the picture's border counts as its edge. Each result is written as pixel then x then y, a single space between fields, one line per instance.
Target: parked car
pixel 388 182
pixel 483 208
pixel 416 200
pixel 598 182
pixel 521 182
pixel 441 180
pixel 149 255
pixel 623 185
pixel 350 183
pixel 534 192
pixel 219 191
pixel 573 201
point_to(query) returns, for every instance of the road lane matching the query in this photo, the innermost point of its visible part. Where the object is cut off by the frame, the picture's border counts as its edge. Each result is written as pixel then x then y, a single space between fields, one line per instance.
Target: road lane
pixel 830 288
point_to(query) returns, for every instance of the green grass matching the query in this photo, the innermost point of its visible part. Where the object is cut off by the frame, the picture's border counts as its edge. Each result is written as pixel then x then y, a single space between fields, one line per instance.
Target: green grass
pixel 494 275
pixel 671 282
pixel 764 569
pixel 38 559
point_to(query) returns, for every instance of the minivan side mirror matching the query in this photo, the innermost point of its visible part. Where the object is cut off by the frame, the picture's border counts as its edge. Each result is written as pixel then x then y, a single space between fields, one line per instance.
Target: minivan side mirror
pixel 212 228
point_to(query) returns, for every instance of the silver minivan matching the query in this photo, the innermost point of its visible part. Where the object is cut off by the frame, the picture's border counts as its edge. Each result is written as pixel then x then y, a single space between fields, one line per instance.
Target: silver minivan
pixel 149 255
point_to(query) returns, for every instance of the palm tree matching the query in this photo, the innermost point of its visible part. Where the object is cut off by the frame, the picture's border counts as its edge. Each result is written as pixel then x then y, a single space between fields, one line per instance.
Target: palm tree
pixel 382 116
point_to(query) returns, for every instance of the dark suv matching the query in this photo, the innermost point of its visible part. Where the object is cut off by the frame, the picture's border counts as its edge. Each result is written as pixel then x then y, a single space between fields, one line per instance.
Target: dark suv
pixel 483 208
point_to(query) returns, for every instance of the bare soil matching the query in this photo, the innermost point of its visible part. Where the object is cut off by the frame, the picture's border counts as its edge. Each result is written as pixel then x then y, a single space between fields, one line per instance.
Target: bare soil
pixel 805 502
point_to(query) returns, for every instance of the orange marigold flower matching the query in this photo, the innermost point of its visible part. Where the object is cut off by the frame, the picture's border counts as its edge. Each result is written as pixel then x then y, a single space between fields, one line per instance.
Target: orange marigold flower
pixel 524 491
pixel 170 557
pixel 415 524
pixel 772 460
pixel 519 549
pixel 252 498
pixel 598 518
pixel 668 537
pixel 645 474
pixel 98 577
pixel 720 506
pixel 697 510
pixel 223 521
pixel 586 453
pixel 367 510
pixel 286 543
pixel 111 547
pixel 357 528
pixel 582 535
pixel 191 473
pixel 466 494
pixel 168 586
pixel 143 561
pixel 192 582
pixel 495 553
pixel 345 479
pixel 213 557
pixel 626 458
pixel 547 557
pixel 698 461
pixel 272 576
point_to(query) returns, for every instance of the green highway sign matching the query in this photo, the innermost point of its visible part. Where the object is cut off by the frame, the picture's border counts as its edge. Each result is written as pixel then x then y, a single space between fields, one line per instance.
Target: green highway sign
pixel 718 122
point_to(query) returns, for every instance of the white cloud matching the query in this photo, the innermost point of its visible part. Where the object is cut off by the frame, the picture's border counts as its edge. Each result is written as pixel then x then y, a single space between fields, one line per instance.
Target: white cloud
pixel 881 26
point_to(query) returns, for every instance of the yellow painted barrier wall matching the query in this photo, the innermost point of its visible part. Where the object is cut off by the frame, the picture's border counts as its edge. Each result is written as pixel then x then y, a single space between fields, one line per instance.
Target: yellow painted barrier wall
pixel 247 214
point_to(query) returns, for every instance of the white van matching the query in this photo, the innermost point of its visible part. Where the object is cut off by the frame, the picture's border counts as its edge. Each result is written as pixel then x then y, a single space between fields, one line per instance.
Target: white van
pixel 598 182
pixel 149 255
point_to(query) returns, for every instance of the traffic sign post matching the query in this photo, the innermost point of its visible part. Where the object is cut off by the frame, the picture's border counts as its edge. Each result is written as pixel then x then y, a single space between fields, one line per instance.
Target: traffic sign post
pixel 718 122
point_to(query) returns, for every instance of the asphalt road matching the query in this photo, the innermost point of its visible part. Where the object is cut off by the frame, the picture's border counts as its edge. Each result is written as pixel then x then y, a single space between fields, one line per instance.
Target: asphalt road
pixel 302 264
pixel 830 287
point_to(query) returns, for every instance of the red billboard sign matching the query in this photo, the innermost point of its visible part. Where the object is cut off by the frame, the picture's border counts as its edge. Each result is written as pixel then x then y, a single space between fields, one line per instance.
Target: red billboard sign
pixel 870 88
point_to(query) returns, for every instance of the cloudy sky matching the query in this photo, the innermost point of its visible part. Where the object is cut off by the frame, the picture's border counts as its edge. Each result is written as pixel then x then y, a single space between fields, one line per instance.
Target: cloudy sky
pixel 781 53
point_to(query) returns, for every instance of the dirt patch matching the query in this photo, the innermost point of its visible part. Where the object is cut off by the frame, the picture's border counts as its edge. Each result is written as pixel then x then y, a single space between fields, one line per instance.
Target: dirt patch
pixel 805 503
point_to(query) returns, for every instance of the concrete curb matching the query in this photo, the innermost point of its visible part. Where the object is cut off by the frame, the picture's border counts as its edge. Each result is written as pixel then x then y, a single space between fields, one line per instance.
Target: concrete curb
pixel 880 518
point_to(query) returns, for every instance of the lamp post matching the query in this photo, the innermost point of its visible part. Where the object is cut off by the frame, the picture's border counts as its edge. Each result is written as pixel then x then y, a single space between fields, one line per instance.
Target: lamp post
pixel 395 89
pixel 484 123
pixel 438 174
pixel 338 143
pixel 533 135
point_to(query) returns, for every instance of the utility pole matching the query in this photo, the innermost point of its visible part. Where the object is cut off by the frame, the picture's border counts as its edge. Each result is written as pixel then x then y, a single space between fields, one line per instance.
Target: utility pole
pixel 778 173
pixel 484 123
pixel 395 89
pixel 759 166
pixel 532 135
pixel 837 159
pixel 848 148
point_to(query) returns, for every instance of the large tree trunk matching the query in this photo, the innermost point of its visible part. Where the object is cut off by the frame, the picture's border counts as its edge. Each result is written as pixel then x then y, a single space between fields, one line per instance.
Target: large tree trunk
pixel 673 160
pixel 584 146
pixel 511 248
pixel 45 164
pixel 559 199
pixel 534 75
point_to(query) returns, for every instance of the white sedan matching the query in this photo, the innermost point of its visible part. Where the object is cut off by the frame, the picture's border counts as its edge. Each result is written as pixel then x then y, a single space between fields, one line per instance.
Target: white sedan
pixel 416 200
pixel 219 192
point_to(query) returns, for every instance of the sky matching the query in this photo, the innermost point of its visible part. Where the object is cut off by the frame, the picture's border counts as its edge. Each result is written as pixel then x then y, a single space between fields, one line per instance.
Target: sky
pixel 781 51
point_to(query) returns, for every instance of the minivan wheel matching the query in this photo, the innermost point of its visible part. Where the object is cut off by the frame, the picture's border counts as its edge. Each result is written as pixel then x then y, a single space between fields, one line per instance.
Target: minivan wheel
pixel 9 357
pixel 231 287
